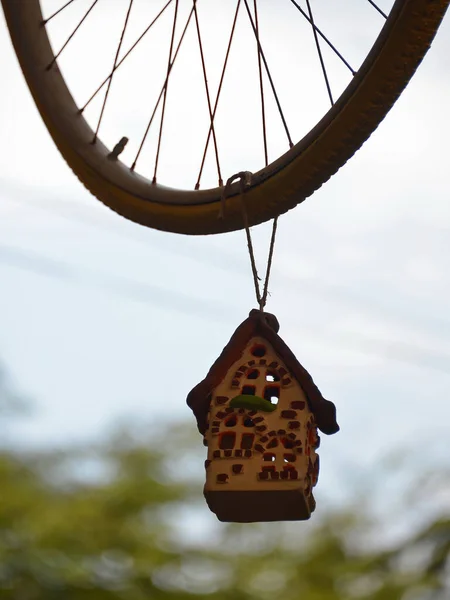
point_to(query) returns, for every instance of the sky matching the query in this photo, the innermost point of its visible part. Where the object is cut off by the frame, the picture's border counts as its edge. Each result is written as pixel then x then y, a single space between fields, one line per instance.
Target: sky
pixel 102 320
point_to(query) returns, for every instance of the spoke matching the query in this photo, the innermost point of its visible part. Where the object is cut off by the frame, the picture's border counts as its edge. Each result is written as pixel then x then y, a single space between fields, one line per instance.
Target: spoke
pixel 45 21
pixel 335 50
pixel 269 75
pixel 207 93
pixel 119 46
pixel 319 52
pixel 133 166
pixel 72 34
pixel 261 87
pixel 163 112
pixel 213 96
pixel 377 8
pixel 126 55
pixel 197 185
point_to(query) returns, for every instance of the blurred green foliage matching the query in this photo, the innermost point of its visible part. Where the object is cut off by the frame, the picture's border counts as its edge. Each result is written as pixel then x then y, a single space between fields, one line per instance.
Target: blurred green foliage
pixel 125 519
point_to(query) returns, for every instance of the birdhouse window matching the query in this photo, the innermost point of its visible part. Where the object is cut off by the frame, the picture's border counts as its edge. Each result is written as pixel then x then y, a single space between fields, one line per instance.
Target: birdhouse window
pixel 272 394
pixel 249 422
pixel 268 457
pixel 231 422
pixel 272 376
pixel 248 390
pixel 258 350
pixel 289 470
pixel 247 441
pixel 268 469
pixel 227 440
pixel 253 374
pixel 288 444
pixel 273 443
pixel 288 458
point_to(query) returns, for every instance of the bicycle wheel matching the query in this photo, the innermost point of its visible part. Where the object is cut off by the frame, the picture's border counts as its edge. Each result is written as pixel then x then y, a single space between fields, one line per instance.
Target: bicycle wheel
pixel 277 185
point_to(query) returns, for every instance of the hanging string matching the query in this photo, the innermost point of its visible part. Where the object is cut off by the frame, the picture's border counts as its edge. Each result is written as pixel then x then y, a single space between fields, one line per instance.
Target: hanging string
pixel 269 262
pixel 245 182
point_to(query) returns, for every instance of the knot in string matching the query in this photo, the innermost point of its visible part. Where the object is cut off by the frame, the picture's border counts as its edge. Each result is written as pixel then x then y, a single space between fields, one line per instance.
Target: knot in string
pixel 245 179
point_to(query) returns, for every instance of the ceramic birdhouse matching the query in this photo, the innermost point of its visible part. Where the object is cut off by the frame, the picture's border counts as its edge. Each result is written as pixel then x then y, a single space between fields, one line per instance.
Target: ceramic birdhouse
pixel 259 412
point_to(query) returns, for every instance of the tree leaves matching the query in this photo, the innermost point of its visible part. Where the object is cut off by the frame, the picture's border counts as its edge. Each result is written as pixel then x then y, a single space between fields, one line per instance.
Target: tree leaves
pixel 68 532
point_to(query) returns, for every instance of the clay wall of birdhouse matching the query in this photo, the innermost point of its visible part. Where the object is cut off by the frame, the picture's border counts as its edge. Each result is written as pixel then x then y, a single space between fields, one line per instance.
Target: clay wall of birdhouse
pixel 264 443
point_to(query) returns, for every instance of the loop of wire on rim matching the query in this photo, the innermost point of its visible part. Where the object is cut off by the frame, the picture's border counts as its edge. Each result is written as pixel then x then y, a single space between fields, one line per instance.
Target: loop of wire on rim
pixel 245 179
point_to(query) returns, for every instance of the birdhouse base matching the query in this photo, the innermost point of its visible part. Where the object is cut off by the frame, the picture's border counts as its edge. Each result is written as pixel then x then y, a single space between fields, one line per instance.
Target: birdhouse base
pixel 256 506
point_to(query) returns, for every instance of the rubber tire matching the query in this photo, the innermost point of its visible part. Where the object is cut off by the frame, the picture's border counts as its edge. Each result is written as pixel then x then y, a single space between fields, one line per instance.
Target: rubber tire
pixel 397 52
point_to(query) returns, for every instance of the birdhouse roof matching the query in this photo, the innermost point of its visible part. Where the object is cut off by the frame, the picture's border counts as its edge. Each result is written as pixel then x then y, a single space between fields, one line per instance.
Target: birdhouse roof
pixel 266 326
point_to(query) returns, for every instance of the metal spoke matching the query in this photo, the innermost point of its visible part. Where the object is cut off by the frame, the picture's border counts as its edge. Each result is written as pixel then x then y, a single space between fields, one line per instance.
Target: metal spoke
pixel 205 78
pixel 133 166
pixel 269 75
pixel 163 112
pixel 125 56
pixel 335 50
pixel 377 8
pixel 72 34
pixel 319 52
pixel 45 21
pixel 159 118
pixel 119 46
pixel 261 87
pixel 197 185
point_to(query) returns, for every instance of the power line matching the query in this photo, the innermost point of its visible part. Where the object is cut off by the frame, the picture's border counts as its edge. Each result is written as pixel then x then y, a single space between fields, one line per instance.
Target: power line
pixel 70 211
pixel 199 307
pixel 133 290
pixel 215 257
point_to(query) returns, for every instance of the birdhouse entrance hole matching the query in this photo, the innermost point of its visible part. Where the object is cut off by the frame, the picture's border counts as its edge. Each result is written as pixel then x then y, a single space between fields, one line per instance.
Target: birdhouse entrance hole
pixel 247 441
pixel 258 350
pixel 272 394
pixel 271 376
pixel 231 422
pixel 248 390
pixel 227 440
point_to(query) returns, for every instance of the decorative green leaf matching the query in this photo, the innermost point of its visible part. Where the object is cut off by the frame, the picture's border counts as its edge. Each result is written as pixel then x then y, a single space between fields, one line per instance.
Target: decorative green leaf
pixel 252 403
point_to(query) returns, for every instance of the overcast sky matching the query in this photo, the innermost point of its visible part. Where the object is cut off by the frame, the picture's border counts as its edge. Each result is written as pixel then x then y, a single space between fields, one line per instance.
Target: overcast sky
pixel 101 319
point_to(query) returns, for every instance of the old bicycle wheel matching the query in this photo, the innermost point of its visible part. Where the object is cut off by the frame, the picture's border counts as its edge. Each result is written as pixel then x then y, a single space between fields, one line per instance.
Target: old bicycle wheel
pixel 288 171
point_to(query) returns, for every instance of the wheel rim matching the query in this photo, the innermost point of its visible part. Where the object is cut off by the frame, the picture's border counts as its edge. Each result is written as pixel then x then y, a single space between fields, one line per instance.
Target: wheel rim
pixel 65 122
pixel 279 101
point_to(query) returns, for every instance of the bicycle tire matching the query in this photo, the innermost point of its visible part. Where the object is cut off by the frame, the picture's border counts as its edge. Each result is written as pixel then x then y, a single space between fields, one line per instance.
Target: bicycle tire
pixel 285 183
